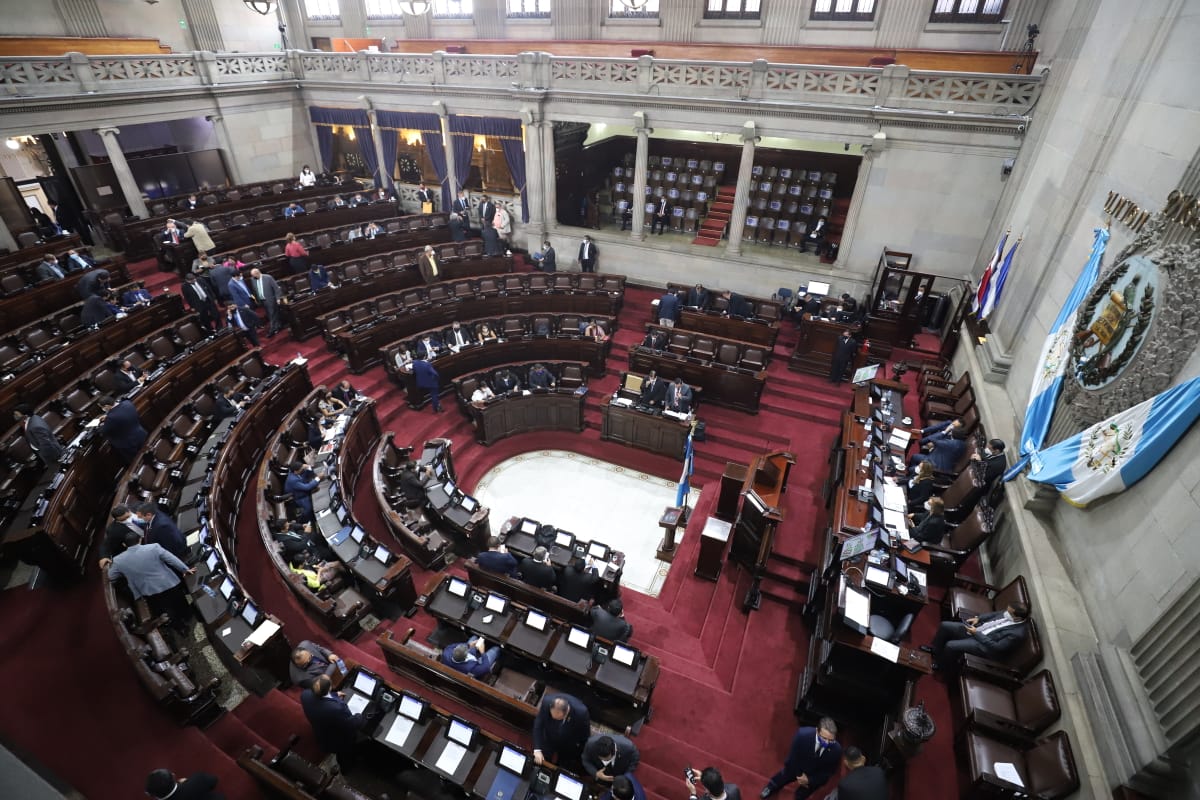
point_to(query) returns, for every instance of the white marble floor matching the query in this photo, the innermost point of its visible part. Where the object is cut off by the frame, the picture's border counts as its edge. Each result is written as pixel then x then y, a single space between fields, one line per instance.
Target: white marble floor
pixel 592 499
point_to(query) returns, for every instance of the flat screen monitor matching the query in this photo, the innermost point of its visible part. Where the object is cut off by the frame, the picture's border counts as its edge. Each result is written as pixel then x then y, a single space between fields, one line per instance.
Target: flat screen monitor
pixel 227 588
pixel 579 637
pixel 568 788
pixel 411 707
pixel 365 683
pixel 457 586
pixel 756 501
pixel 857 545
pixel 358 534
pixel 382 555
pixel 564 539
pixel 818 287
pixel 204 532
pixel 529 526
pixel 901 568
pixel 460 732
pixel 598 551
pixel 339 511
pixel 212 561
pixel 333 489
pixel 440 471
pixel 512 760
pixel 495 602
pixel 250 614
pixel 536 620
pixel 858 608
pixel 469 504
pixel 449 488
pixel 825 194
pixel 624 655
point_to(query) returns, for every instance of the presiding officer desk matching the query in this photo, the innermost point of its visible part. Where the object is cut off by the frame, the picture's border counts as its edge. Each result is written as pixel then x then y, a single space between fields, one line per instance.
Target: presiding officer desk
pixel 559 408
pixel 817 343
pixel 723 383
pixel 614 680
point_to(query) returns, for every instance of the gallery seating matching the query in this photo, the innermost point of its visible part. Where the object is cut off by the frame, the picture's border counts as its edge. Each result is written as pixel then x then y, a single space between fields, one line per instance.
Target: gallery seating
pixel 1013 712
pixel 968 598
pixel 1046 769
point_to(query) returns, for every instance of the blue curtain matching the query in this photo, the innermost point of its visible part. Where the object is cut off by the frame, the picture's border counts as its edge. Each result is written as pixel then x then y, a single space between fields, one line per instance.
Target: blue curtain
pixel 514 154
pixel 437 155
pixel 462 157
pixel 357 118
pixel 509 132
pixel 430 126
pixel 366 147
pixel 325 142
pixel 390 141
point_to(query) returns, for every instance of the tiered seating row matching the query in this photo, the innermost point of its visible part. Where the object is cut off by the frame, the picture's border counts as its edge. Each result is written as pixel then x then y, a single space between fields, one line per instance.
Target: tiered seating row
pixel 21 277
pixel 688 184
pixel 423 543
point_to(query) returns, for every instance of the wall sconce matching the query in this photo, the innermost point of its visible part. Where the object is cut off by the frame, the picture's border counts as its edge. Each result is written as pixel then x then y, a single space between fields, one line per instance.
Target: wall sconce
pixel 480 143
pixel 416 8
pixel 350 132
pixel 410 137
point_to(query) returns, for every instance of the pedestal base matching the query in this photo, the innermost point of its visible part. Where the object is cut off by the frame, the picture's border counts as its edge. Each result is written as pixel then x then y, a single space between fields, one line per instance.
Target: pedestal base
pixel 666 550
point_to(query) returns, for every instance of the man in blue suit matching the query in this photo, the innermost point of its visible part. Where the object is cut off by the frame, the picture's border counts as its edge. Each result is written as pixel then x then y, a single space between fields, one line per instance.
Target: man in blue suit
pixel 162 530
pixel 942 445
pixel 668 309
pixel 122 427
pixel 334 725
pixel 560 729
pixel 497 559
pixel 812 760
pixel 300 484
pixel 472 657
pixel 427 378
pixel 239 293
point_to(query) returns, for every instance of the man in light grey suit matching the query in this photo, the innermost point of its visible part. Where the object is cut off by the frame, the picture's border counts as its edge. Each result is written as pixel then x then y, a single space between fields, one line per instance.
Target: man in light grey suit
pixel 41 439
pixel 267 292
pixel 153 573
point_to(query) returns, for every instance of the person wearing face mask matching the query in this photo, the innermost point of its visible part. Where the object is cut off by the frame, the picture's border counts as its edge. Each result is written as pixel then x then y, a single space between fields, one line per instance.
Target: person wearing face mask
pixel 993 459
pixel 812 760
pixel 920 487
pixel 929 526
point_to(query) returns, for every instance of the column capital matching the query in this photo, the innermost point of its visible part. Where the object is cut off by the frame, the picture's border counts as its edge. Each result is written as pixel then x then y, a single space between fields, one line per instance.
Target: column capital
pixel 439 108
pixel 108 131
pixel 750 133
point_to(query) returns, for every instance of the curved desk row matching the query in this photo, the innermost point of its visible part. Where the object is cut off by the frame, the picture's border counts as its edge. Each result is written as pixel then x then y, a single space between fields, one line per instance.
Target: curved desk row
pixel 519 536
pixel 564 347
pixel 524 410
pixel 765 309
pixel 724 385
pixel 28 255
pixel 467 522
pixel 762 332
pixel 467 302
pixel 703 348
pixel 48 297
pixel 423 542
pixel 532 596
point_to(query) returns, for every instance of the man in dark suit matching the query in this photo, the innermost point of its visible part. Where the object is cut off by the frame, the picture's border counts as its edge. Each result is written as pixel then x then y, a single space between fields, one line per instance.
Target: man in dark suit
pixel 172 234
pixel 588 253
pixel 457 337
pixel 654 391
pixel 862 782
pixel 425 195
pixel 697 297
pixel 929 526
pixel 993 459
pixel 162 530
pixel 122 427
pixel 93 283
pixel 301 482
pixel 655 339
pixel 715 787
pixel 458 229
pixel 497 559
pixel 505 382
pixel 487 212
pixel 462 206
pixel 309 662
pixel 431 269
pixel 843 356
pixel 610 622
pixel 472 657
pixel 811 761
pixel 201 298
pixel 429 348
pixel 537 571
pixel 661 214
pixel 427 378
pixel 96 309
pixel 268 293
pixel 737 306
pixel 540 377
pixel 162 784
pixel 605 756
pixel 942 445
pixel 987 635
pixel 126 377
pixel 243 323
pixel 38 435
pixel 220 276
pixel 138 295
pixel 560 729
pixel 239 292
pixel 547 261
pixel 679 397
pixel 577 581
pixel 48 269
pixel 334 725
pixel 668 309
pixel 113 544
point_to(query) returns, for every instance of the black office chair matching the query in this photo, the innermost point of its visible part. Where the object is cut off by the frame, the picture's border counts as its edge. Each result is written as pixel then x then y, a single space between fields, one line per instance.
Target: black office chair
pixel 889 629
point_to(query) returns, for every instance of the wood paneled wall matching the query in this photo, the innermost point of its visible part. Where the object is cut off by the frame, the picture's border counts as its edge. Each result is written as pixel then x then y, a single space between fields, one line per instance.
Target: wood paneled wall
pixel 58 45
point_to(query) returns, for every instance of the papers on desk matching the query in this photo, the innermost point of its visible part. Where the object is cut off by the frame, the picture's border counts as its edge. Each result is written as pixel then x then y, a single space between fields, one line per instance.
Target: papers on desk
pixel 895 520
pixel 357 703
pixel 858 607
pixel 677 415
pixel 398 734
pixel 899 438
pixel 892 497
pixel 624 402
pixel 92 423
pixel 877 575
pixel 885 649
pixel 263 632
pixel 299 360
pixel 451 757
pixel 1007 772
pixel 919 575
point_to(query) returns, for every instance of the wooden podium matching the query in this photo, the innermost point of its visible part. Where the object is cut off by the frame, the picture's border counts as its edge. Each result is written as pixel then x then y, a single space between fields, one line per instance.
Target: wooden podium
pixel 759 516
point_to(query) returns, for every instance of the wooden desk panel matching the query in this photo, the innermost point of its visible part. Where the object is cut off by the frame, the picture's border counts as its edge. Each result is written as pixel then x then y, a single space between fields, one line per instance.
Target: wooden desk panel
pixel 659 434
pixel 714 324
pixel 726 386
pixel 553 410
pixel 46 298
pixel 818 340
pixel 34 253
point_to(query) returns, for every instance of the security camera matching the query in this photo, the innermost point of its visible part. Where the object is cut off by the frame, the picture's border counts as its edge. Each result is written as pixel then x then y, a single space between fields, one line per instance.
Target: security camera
pixel 1021 128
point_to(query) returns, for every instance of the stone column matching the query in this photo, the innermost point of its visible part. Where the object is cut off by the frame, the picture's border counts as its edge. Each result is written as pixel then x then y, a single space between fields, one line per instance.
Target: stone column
pixel 203 25
pixel 639 175
pixel 783 20
pixel 550 176
pixel 226 145
pixel 900 23
pixel 535 176
pixel 741 197
pixel 129 187
pixel 385 170
pixel 82 17
pixel 451 173
pixel 856 202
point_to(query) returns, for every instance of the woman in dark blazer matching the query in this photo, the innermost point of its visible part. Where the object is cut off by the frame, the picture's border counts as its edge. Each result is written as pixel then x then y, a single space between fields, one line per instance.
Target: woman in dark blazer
pixel 920 488
pixel 930 527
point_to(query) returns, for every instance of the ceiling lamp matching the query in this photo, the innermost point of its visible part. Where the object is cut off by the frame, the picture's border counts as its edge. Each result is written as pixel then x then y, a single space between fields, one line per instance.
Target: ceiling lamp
pixel 417 8
pixel 634 5
pixel 263 7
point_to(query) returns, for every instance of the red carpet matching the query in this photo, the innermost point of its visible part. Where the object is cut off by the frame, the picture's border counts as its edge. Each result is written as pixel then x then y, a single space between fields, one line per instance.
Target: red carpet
pixel 728 682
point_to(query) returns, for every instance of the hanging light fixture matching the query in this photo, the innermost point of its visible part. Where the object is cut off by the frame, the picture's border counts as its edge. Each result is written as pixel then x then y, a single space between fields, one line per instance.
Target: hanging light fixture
pixel 263 7
pixel 480 142
pixel 350 132
pixel 635 5
pixel 416 8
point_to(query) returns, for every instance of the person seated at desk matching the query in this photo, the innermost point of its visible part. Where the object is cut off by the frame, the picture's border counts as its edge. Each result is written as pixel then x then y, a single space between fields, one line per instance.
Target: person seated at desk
pixel 403 359
pixel 329 406
pixel 505 382
pixel 137 296
pixel 345 392
pixel 577 581
pixel 655 340
pixel 560 729
pixel 679 397
pixel 737 306
pixel 293 210
pixel 697 297
pixel 609 621
pixel 226 405
pixel 715 787
pixel 987 635
pixel 113 544
pixel 297 541
pixel 485 334
pixel 334 725
pixel 625 787
pixel 307 177
pixel 172 234
pixel 322 577
pixel 920 487
pixel 458 337
pixel 353 233
pixel 848 303
pixel 482 395
pixel 127 377
pixel 607 756
pixel 942 445
pixel 497 559
pixel 412 487
pixel 318 277
pixel 929 526
pixel 96 309
pixel 812 306
pixel 301 482
pixel 371 230
pixel 78 260
pixel 472 657
pixel 540 377
pixel 993 460
pixel 48 269
pixel 654 391
pixel 595 331
pixel 358 200
pixel 162 784
pixel 537 571
pixel 309 662
pixel 429 348
pixel 336 202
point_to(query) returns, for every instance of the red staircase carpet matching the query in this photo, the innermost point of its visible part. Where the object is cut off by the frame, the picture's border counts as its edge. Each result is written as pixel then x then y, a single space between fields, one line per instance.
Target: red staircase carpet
pixel 712 227
pixel 728 679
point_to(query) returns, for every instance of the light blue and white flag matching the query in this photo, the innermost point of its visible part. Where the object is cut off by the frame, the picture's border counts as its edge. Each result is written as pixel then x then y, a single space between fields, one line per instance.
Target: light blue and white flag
pixel 685 478
pixel 997 284
pixel 986 281
pixel 1047 380
pixel 1112 455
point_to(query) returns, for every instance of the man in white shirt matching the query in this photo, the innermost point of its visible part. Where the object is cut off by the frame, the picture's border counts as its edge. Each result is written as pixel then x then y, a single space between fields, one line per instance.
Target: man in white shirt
pixel 987 635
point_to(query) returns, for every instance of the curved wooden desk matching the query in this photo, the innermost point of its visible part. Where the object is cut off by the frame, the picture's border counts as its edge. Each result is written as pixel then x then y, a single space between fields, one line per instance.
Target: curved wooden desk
pixel 557 409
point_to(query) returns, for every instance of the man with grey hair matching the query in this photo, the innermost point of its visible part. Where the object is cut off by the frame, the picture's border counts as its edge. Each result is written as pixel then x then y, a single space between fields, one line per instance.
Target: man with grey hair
pixel 472 657
pixel 536 570
pixel 431 270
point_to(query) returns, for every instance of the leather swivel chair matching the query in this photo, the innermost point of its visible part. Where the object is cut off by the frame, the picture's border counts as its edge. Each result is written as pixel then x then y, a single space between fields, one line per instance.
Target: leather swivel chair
pixel 890 628
pixel 1047 769
pixel 1017 713
pixel 967 598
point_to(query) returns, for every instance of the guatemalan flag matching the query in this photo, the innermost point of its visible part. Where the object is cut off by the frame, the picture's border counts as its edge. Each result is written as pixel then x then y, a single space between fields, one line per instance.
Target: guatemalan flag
pixel 1112 455
pixel 986 281
pixel 1047 380
pixel 997 284
pixel 685 477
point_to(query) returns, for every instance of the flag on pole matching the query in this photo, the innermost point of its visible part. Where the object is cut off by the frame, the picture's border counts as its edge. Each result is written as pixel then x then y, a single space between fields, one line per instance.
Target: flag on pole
pixel 996 286
pixel 986 280
pixel 1116 453
pixel 686 475
pixel 1048 378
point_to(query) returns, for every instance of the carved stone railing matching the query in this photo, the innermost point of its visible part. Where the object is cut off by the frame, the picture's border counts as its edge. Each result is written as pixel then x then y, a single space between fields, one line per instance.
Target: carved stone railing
pixel 893 87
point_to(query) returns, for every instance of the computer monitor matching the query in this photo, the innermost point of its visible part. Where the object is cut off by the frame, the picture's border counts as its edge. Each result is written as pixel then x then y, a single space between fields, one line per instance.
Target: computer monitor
pixel 529 526
pixel 624 655
pixel 203 532
pixel 227 588
pixel 411 707
pixel 512 760
pixel 469 504
pixel 439 471
pixel 857 545
pixel 598 551
pixel 564 539
pixel 495 602
pixel 461 732
pixel 457 586
pixel 358 534
pixel 568 788
pixel 365 683
pixel 449 488
pixel 212 561
pixel 818 287
pixel 339 511
pixel 579 637
pixel 858 609
pixel 382 555
pixel 536 620
pixel 250 613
